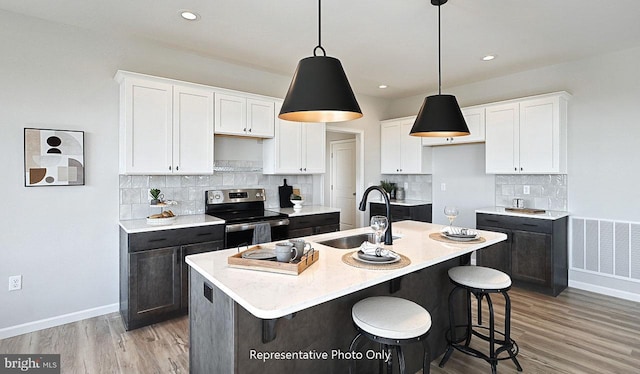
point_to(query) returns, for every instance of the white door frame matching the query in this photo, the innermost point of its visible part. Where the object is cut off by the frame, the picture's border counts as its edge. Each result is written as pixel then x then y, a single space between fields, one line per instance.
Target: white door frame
pixel 360 216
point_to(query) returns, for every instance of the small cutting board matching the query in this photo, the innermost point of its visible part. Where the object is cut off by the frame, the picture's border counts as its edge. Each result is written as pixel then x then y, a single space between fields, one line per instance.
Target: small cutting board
pixel 285 192
pixel 525 210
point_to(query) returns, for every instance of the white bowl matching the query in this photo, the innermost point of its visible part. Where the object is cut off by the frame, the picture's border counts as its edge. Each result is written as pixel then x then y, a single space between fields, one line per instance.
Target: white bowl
pixel 297 204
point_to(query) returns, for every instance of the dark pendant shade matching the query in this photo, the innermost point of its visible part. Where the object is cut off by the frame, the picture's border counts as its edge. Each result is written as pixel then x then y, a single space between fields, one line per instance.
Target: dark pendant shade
pixel 320 92
pixel 440 116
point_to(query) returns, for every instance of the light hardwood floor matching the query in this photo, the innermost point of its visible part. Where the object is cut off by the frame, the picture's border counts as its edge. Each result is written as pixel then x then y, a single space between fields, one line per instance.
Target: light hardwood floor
pixel 576 332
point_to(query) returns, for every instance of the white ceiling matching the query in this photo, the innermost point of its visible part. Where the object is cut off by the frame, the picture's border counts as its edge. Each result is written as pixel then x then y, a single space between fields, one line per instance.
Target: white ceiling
pixel 391 42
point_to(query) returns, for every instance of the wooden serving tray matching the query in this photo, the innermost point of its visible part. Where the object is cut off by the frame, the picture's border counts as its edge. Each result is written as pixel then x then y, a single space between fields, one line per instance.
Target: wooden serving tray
pixel 525 210
pixel 236 261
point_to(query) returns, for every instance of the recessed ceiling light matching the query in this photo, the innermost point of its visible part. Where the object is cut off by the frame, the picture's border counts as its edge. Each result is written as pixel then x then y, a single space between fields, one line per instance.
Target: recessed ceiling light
pixel 488 57
pixel 383 86
pixel 189 15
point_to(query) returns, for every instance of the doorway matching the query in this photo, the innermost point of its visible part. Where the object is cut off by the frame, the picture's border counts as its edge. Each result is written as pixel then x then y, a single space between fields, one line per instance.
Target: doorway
pixel 342 180
pixel 338 138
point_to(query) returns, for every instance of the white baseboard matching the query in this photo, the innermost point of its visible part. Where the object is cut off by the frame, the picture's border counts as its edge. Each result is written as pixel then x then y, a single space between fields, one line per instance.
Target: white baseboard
pixel 605 290
pixel 24 328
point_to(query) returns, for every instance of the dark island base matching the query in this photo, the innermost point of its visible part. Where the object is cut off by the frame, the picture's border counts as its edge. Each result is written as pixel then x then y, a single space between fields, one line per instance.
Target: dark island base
pixel 225 338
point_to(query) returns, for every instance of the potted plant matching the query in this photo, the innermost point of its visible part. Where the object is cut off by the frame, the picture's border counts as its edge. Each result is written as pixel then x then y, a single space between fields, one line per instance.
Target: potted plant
pixel 155 196
pixel 389 187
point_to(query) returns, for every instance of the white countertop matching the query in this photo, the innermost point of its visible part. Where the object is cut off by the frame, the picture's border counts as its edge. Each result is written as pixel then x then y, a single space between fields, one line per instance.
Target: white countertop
pixel 549 214
pixel 270 295
pixel 406 202
pixel 140 225
pixel 306 210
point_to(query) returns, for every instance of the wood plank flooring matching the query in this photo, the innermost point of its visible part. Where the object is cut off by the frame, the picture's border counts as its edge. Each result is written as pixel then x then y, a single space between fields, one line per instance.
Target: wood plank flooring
pixel 576 332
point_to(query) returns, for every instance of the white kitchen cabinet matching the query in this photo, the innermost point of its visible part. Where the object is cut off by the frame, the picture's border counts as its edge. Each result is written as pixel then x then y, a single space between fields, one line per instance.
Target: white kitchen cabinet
pixel 165 128
pixel 475 119
pixel 527 136
pixel 296 148
pixel 244 116
pixel 401 153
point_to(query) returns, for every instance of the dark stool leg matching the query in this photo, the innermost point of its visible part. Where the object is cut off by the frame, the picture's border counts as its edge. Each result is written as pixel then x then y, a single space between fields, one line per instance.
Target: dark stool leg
pixel 507 329
pixel 452 328
pixel 352 348
pixel 426 364
pixel 492 336
pixel 401 363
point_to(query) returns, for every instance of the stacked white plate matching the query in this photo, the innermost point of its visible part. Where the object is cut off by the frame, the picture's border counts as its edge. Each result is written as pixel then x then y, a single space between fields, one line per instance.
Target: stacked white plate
pixel 459 234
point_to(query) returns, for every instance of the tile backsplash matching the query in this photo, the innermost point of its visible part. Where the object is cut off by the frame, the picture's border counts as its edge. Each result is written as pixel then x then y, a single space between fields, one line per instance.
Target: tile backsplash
pixel 419 186
pixel 547 192
pixel 188 190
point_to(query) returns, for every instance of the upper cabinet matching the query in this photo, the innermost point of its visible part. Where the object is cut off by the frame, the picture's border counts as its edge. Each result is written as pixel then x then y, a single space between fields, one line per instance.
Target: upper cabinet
pixel 475 118
pixel 296 148
pixel 527 136
pixel 401 153
pixel 165 128
pixel 244 115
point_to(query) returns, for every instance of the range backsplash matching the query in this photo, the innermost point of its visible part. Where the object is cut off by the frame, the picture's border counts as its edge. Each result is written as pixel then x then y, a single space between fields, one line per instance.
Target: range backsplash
pixel 418 185
pixel 188 190
pixel 547 192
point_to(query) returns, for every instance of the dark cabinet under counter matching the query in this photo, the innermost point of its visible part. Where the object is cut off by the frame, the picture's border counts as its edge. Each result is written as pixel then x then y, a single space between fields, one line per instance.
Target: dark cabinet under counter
pixel 534 254
pixel 313 224
pixel 154 275
pixel 421 212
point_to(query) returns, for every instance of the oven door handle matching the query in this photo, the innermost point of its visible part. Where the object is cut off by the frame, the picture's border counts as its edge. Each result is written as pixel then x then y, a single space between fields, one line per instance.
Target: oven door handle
pixel 250 226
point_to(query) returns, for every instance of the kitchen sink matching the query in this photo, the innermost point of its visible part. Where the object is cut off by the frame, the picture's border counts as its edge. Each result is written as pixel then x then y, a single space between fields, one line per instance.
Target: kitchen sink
pixel 350 242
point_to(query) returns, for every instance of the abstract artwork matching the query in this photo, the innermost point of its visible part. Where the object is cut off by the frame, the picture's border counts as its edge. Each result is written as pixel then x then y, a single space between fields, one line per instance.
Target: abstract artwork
pixel 53 157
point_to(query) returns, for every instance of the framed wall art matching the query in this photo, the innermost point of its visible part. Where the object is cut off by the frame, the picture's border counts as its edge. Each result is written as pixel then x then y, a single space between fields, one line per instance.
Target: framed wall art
pixel 53 157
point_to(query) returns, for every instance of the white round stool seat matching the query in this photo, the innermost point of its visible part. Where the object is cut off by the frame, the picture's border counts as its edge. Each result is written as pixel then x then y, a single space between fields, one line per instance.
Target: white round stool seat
pixel 480 277
pixel 391 317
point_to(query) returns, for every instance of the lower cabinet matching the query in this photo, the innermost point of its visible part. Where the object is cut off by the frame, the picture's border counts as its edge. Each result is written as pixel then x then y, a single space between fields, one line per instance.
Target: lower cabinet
pixel 313 224
pixel 534 254
pixel 154 282
pixel 402 212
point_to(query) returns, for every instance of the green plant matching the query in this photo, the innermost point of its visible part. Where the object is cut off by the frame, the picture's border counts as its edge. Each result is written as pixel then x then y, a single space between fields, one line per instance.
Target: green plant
pixel 155 193
pixel 295 197
pixel 387 186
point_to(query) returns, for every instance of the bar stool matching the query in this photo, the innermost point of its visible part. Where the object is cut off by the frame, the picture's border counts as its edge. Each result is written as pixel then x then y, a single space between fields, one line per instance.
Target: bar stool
pixel 481 282
pixel 392 322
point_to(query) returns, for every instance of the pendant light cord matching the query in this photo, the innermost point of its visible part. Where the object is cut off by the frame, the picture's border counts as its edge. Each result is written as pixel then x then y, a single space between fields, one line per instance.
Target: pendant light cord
pixel 439 55
pixel 319 46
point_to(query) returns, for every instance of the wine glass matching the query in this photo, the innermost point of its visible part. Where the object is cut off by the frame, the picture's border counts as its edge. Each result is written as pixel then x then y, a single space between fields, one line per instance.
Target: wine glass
pixel 451 212
pixel 379 224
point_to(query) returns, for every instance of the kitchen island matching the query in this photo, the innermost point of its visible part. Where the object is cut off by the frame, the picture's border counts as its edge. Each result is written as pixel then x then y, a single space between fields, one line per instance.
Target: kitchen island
pixel 245 321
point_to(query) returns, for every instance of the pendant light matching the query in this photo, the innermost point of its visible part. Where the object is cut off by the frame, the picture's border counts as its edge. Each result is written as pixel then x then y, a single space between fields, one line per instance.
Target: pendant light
pixel 320 90
pixel 440 115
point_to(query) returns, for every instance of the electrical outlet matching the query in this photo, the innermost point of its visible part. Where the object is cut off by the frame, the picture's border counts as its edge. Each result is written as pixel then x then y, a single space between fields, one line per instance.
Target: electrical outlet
pixel 15 282
pixel 526 190
pixel 443 186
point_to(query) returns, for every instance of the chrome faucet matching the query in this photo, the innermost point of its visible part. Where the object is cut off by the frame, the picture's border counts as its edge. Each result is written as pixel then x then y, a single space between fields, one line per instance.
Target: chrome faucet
pixel 388 236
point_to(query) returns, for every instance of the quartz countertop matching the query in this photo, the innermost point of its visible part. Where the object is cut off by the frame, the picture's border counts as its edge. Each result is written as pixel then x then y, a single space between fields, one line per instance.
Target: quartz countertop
pixel 269 295
pixel 406 202
pixel 194 220
pixel 549 214
pixel 306 210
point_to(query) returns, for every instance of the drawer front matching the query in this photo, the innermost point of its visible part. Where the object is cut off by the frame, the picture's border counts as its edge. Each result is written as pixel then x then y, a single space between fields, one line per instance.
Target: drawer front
pixel 314 220
pixel 167 238
pixel 514 223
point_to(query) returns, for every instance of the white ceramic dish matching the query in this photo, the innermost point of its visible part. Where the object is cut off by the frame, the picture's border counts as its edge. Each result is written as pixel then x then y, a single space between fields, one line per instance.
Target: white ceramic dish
pixel 260 254
pixel 376 262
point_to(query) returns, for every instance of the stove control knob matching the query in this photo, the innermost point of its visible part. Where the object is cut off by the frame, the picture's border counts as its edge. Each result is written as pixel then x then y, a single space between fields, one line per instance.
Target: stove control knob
pixel 216 196
pixel 258 194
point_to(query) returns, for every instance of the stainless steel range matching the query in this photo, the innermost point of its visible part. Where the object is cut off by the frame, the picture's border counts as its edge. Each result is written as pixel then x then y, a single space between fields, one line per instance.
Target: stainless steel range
pixel 242 210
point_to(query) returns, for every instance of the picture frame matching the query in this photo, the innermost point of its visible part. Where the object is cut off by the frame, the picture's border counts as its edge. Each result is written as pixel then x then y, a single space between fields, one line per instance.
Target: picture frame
pixel 53 157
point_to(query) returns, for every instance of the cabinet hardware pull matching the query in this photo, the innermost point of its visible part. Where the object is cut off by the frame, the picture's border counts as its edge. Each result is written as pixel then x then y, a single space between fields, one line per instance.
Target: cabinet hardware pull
pixel 169 167
pixel 249 130
pixel 177 168
pixel 529 224
pixel 305 169
pixel 520 169
pixel 157 240
pixel 492 220
pixel 245 129
pixel 515 169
